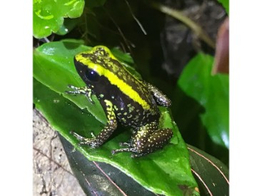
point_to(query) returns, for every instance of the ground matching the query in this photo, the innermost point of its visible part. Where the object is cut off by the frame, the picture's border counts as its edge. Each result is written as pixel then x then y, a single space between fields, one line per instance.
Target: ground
pixel 52 174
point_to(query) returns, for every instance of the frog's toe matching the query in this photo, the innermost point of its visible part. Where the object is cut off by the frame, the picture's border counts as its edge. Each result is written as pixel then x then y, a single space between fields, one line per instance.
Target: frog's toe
pixel 89 142
pixel 113 152
pixel 136 155
pixel 122 150
pixel 125 144
pixel 92 142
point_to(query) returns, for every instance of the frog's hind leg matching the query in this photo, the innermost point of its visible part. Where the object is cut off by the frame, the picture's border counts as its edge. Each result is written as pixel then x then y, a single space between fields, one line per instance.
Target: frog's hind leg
pixel 105 133
pixel 147 140
pixel 160 98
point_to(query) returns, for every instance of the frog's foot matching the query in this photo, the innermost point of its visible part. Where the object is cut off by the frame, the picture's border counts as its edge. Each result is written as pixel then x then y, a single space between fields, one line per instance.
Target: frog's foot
pixel 125 144
pixel 76 90
pixel 145 142
pixel 134 150
pixel 128 148
pixel 92 142
pixel 124 150
pixel 80 91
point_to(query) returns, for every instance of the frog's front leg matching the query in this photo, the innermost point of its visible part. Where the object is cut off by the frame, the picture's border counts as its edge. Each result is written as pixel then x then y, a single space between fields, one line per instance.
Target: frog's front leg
pixel 81 90
pixel 147 140
pixel 106 132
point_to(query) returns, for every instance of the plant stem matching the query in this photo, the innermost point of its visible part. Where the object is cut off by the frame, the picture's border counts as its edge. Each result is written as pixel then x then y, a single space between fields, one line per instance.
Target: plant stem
pixel 190 23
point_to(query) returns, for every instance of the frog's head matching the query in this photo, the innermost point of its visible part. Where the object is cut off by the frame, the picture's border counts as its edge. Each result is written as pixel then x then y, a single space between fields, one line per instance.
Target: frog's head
pixel 98 68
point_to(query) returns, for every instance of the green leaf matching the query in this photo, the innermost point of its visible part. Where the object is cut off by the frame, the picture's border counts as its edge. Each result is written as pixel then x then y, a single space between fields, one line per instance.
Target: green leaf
pixel 225 4
pixel 67 26
pixel 48 15
pixel 211 174
pixel 95 176
pixel 56 59
pixel 211 92
pixel 166 171
pixel 163 172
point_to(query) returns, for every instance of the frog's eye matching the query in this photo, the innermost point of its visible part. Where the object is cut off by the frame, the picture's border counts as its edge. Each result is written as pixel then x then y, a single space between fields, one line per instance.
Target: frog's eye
pixel 91 75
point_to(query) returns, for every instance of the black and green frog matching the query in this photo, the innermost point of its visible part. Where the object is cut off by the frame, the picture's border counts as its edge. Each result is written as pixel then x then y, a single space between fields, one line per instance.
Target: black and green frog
pixel 125 99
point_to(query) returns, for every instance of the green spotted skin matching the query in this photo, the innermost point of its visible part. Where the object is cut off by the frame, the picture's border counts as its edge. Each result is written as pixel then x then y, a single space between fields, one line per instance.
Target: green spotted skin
pixel 125 99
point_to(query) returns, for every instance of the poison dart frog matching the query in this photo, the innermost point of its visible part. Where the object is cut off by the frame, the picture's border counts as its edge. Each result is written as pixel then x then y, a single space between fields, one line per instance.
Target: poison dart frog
pixel 125 99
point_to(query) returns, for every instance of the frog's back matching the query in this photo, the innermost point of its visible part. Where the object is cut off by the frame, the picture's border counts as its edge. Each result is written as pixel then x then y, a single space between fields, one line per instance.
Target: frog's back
pixel 133 103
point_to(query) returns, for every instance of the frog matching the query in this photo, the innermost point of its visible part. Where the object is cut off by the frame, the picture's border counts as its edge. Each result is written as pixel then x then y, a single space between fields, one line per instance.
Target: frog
pixel 125 99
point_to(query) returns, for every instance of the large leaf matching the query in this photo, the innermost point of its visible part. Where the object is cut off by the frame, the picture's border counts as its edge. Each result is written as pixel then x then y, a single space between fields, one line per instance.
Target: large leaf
pixel 98 178
pixel 53 66
pixel 211 174
pixel 166 171
pixel 48 15
pixel 56 58
pixel 212 93
pixel 103 179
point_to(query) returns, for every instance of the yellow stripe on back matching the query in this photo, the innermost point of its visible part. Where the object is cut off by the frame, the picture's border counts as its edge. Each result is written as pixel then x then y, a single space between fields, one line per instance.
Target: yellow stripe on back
pixel 113 79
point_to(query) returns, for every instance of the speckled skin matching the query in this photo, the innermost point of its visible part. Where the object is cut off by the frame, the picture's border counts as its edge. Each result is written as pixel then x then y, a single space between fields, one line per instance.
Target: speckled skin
pixel 125 99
